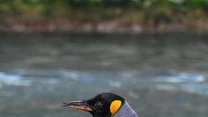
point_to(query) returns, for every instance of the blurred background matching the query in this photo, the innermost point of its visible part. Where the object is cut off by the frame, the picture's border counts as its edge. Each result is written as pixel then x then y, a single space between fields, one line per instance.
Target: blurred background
pixel 151 52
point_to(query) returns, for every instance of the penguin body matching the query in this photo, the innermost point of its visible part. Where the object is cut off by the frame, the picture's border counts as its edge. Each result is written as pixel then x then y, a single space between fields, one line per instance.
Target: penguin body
pixel 104 105
pixel 126 111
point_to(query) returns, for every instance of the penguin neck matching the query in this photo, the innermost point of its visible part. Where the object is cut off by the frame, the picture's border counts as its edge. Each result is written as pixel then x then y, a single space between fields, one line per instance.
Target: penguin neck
pixel 126 111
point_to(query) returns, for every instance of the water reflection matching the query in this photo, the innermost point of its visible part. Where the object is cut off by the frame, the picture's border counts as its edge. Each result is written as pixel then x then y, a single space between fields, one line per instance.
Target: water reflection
pixel 194 83
pixel 23 87
pixel 164 76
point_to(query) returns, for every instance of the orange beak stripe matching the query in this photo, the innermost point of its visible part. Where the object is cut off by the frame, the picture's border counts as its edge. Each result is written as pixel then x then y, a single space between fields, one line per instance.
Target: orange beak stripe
pixel 84 108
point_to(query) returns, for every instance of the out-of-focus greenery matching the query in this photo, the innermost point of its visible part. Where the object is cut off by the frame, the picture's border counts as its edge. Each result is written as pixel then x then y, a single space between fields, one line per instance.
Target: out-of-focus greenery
pixel 100 9
pixel 100 3
pixel 21 4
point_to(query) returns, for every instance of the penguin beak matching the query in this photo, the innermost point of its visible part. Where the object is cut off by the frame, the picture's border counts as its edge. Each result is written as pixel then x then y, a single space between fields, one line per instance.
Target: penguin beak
pixel 80 105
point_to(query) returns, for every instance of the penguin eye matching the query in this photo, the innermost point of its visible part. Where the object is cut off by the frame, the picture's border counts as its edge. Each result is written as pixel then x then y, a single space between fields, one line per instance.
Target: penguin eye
pixel 98 105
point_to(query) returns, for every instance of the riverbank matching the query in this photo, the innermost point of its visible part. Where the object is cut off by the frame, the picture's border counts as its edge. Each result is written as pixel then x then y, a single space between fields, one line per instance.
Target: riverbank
pixel 113 20
pixel 103 16
pixel 110 26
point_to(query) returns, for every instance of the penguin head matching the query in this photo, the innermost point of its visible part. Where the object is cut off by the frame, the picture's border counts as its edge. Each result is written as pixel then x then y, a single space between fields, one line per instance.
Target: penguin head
pixel 102 105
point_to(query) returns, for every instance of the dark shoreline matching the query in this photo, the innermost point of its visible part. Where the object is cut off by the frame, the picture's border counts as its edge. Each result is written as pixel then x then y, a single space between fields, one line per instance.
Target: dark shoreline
pixel 105 27
pixel 117 35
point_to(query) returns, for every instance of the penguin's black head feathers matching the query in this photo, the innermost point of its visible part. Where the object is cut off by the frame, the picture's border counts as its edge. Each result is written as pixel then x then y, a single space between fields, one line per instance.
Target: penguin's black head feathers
pixel 102 105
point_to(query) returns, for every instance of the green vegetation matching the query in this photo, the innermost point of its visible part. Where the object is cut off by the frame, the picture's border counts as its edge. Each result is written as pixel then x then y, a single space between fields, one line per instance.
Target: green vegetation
pixel 106 8
pixel 93 11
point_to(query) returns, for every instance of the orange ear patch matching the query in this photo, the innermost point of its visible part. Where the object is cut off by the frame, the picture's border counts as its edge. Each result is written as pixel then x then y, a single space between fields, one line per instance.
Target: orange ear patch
pixel 115 105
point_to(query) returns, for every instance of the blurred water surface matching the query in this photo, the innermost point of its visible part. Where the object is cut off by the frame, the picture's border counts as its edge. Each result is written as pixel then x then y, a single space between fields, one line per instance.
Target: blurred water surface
pixel 160 75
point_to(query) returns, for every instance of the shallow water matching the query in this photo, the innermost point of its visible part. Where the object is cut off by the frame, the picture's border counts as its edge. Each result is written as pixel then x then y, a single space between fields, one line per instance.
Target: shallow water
pixel 159 75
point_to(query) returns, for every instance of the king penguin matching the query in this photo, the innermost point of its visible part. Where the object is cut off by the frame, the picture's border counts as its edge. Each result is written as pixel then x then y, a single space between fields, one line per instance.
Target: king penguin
pixel 104 105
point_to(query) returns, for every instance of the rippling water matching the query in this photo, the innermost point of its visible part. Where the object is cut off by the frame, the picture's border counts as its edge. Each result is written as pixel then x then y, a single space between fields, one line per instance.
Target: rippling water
pixel 160 76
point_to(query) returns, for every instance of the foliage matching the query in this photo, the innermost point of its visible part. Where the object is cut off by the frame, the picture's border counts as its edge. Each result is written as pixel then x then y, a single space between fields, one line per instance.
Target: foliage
pixel 150 8
pixel 106 3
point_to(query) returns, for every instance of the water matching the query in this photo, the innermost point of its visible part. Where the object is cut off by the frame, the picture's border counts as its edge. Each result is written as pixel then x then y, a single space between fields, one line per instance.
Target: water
pixel 160 76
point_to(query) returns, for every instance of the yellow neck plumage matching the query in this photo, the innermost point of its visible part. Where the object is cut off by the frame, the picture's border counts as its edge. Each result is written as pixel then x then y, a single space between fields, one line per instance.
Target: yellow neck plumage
pixel 114 107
